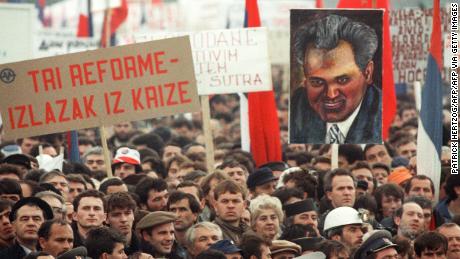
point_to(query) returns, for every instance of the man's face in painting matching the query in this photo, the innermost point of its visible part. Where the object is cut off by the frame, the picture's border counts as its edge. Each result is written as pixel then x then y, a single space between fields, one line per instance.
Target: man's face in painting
pixel 334 83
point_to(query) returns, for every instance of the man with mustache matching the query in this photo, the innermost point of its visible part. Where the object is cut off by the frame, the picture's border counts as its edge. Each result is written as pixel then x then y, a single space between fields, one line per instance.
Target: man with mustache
pixel 344 224
pixel 27 215
pixel 338 102
pixel 303 212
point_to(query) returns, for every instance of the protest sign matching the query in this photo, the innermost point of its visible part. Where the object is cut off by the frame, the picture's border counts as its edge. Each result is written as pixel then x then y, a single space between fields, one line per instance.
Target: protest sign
pixel 228 61
pixel 17 31
pixel 99 87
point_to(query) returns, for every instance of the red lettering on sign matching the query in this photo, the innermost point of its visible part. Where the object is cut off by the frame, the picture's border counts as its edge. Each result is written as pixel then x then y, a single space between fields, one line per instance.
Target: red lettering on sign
pixel 116 104
pixel 63 104
pixel 49 114
pixel 88 73
pixel 32 118
pixel 130 66
pixel 10 115
pixel 151 95
pixel 171 87
pixel 116 108
pixel 75 74
pixel 76 111
pixel 145 64
pixel 183 92
pixel 159 62
pixel 100 70
pixel 107 105
pixel 136 94
pixel 34 73
pixel 48 78
pixel 88 104
pixel 22 112
pixel 116 62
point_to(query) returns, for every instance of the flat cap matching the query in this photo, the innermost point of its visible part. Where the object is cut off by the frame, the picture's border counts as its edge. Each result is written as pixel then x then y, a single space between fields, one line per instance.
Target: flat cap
pixel 47 211
pixel 279 246
pixel 300 207
pixel 155 218
pixel 18 159
pixel 376 241
pixel 260 176
pixel 225 246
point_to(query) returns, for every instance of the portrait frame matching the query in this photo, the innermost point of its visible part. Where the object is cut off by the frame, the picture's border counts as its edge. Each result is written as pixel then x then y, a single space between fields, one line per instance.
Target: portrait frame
pixel 312 128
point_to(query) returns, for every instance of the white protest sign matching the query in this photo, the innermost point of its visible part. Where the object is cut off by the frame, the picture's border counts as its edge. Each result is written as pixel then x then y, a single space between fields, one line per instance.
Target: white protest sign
pixel 50 42
pixel 17 31
pixel 228 61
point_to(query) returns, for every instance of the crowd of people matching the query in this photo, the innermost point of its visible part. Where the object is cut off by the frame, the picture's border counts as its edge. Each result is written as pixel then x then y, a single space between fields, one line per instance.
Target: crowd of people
pixel 163 202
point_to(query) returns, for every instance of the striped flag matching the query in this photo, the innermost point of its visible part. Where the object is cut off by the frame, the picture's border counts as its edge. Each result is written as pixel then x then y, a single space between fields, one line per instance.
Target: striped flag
pixel 73 153
pixel 85 19
pixel 429 138
pixel 264 131
pixel 388 85
pixel 116 16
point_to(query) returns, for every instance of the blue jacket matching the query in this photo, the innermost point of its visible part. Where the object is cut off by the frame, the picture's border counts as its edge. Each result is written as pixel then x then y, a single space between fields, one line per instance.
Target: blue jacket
pixel 307 127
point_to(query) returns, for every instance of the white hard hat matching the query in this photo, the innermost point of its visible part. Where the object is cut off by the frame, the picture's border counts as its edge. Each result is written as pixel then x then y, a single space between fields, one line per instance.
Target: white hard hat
pixel 341 216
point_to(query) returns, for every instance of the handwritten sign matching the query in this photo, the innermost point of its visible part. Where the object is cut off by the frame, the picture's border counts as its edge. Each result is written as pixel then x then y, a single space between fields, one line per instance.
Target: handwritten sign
pixel 228 61
pixel 410 39
pixel 99 87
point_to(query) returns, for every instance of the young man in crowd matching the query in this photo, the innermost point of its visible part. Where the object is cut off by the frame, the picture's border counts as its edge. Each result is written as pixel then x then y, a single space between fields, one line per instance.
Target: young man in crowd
pixel 153 194
pixel 187 209
pixel 120 216
pixel 157 234
pixel 89 213
pixel 127 162
pixel 104 243
pixel 430 245
pixel 229 206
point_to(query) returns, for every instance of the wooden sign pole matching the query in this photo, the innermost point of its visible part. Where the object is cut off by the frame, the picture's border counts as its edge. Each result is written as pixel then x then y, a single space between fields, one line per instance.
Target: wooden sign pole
pixel 209 145
pixel 102 130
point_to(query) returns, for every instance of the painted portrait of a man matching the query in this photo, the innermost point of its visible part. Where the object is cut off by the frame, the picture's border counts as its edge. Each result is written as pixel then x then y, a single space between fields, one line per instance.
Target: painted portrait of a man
pixel 338 98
